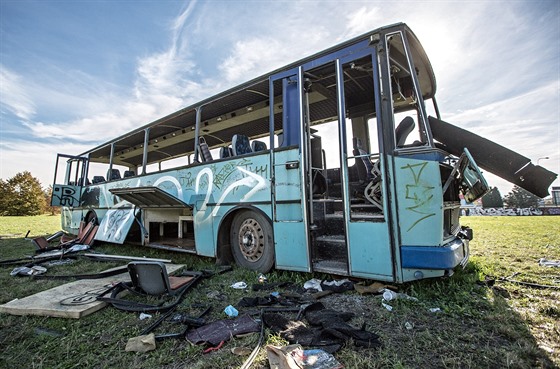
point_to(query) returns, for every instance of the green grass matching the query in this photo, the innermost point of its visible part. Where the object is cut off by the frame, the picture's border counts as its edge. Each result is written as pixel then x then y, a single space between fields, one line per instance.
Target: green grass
pixel 505 326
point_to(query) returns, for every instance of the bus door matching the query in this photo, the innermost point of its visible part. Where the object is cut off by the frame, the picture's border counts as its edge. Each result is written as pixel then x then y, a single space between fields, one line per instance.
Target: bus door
pixel 365 196
pixel 69 177
pixel 289 194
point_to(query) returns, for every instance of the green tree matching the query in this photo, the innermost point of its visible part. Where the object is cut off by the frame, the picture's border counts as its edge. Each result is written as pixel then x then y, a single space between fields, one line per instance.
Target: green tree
pixel 520 198
pixel 492 199
pixel 48 208
pixel 22 195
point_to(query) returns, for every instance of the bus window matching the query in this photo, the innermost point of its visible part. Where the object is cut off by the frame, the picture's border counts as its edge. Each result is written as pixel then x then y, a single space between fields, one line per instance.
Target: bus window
pixel 408 107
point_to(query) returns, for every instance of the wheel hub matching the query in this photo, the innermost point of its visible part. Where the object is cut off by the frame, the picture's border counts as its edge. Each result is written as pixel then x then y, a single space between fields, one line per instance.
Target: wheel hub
pixel 251 240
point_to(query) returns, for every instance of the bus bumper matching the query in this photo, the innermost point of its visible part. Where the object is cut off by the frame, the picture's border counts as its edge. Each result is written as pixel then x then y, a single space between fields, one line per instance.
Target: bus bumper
pixel 445 257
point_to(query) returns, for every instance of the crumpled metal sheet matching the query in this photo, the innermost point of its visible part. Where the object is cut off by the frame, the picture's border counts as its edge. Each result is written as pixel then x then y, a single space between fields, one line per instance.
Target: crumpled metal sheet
pixel 494 158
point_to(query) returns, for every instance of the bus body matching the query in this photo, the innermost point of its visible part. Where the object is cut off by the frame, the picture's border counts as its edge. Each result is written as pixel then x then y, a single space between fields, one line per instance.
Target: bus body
pixel 328 164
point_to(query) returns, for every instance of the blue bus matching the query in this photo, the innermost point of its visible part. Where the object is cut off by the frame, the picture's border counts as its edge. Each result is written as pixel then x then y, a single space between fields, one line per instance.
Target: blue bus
pixel 333 163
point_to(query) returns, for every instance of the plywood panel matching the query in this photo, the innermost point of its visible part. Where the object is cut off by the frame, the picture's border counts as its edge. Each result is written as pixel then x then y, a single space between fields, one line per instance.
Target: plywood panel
pixel 71 300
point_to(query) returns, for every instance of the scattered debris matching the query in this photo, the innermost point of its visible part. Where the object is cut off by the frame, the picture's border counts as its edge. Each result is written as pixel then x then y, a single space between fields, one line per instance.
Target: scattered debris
pixel 239 285
pixel 144 316
pixel 141 343
pixel 549 263
pixel 408 325
pixel 222 330
pixel 241 351
pixel 26 271
pixel 434 310
pixel 231 311
pixel 328 330
pixel 294 357
pixel 387 306
pixel 389 295
pixel 313 284
pixel 123 257
pixel 374 288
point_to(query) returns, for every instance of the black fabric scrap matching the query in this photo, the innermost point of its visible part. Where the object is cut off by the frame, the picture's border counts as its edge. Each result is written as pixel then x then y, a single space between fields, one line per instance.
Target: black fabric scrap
pixel 257 301
pixel 334 324
pixel 223 330
pixel 328 331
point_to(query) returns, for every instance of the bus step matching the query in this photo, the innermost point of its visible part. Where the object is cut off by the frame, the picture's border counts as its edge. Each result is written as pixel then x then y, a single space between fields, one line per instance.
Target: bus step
pixel 334 224
pixel 331 266
pixel 330 248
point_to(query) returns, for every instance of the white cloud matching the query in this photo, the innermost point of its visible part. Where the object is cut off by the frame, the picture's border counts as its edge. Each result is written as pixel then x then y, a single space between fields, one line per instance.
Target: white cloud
pixel 13 95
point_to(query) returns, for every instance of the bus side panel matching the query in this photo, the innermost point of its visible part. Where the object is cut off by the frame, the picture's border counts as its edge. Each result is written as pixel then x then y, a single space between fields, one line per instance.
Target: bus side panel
pixel 420 202
pixel 291 246
pixel 223 185
pixel 370 254
pixel 290 233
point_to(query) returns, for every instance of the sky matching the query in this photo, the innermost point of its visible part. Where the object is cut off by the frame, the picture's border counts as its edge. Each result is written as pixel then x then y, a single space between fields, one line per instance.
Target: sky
pixel 74 74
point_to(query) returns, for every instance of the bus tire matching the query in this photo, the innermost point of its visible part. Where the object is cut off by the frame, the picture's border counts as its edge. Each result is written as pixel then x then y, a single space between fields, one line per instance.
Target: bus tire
pixel 252 244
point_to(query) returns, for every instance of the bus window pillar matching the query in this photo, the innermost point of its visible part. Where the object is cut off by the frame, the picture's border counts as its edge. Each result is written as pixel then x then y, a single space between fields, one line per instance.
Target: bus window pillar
pixel 111 157
pixel 145 153
pixel 197 127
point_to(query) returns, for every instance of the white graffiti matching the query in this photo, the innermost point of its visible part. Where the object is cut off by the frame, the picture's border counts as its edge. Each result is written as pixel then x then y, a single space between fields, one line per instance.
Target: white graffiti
pixel 504 211
pixel 251 180
pixel 174 181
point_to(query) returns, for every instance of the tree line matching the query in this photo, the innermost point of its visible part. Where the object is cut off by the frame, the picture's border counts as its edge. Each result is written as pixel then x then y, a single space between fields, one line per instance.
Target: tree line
pixel 23 195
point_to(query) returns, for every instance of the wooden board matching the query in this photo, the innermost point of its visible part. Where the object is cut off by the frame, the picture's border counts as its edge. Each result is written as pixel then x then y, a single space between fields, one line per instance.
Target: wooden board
pixel 71 300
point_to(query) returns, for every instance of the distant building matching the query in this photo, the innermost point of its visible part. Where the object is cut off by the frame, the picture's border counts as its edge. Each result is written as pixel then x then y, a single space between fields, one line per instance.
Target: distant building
pixel 556 195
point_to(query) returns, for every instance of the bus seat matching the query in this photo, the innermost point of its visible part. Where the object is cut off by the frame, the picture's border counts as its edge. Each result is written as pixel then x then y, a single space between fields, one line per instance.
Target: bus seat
pixel 258 146
pixel 240 145
pixel 98 179
pixel 403 130
pixel 129 173
pixel 151 277
pixel 204 150
pixel 364 166
pixel 225 152
pixel 81 182
pixel 113 174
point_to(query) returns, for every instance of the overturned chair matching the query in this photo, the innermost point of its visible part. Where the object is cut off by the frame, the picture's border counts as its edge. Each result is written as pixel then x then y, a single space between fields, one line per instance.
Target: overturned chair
pixel 151 277
pixel 149 280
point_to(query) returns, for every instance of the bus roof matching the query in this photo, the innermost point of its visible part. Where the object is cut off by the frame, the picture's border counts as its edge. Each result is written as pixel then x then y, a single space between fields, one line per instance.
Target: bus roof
pixel 228 113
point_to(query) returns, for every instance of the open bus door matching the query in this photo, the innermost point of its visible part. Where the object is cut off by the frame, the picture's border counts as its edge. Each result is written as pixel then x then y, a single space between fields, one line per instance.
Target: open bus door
pixel 290 200
pixel 69 177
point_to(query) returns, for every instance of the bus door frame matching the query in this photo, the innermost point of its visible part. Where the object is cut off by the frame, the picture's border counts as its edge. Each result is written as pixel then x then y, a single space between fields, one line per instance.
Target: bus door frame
pixel 66 194
pixel 290 215
pixel 370 244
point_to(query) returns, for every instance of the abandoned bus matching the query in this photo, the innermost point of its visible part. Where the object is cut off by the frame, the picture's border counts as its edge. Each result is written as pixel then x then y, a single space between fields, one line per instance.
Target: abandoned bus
pixel 328 164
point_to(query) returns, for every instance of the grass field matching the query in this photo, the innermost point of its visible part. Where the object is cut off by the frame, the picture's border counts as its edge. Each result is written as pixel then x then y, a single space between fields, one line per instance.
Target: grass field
pixel 508 325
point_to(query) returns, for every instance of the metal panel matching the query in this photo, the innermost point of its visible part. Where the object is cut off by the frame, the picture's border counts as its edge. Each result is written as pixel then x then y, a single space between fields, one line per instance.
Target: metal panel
pixel 494 158
pixel 371 250
pixel 148 197
pixel 115 225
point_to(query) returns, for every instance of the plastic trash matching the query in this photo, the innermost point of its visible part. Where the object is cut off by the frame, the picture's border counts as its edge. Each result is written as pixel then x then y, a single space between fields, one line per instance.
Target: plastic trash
pixel 231 311
pixel 313 284
pixel 239 285
pixel 144 316
pixel 389 295
pixel 435 310
pixel 262 278
pixel 386 306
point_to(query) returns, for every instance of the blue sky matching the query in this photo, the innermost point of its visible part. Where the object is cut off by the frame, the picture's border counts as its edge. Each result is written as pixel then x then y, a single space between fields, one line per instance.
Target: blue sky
pixel 74 74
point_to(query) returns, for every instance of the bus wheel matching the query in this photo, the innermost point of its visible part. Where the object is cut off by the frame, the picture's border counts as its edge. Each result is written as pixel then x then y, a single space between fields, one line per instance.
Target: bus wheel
pixel 251 241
